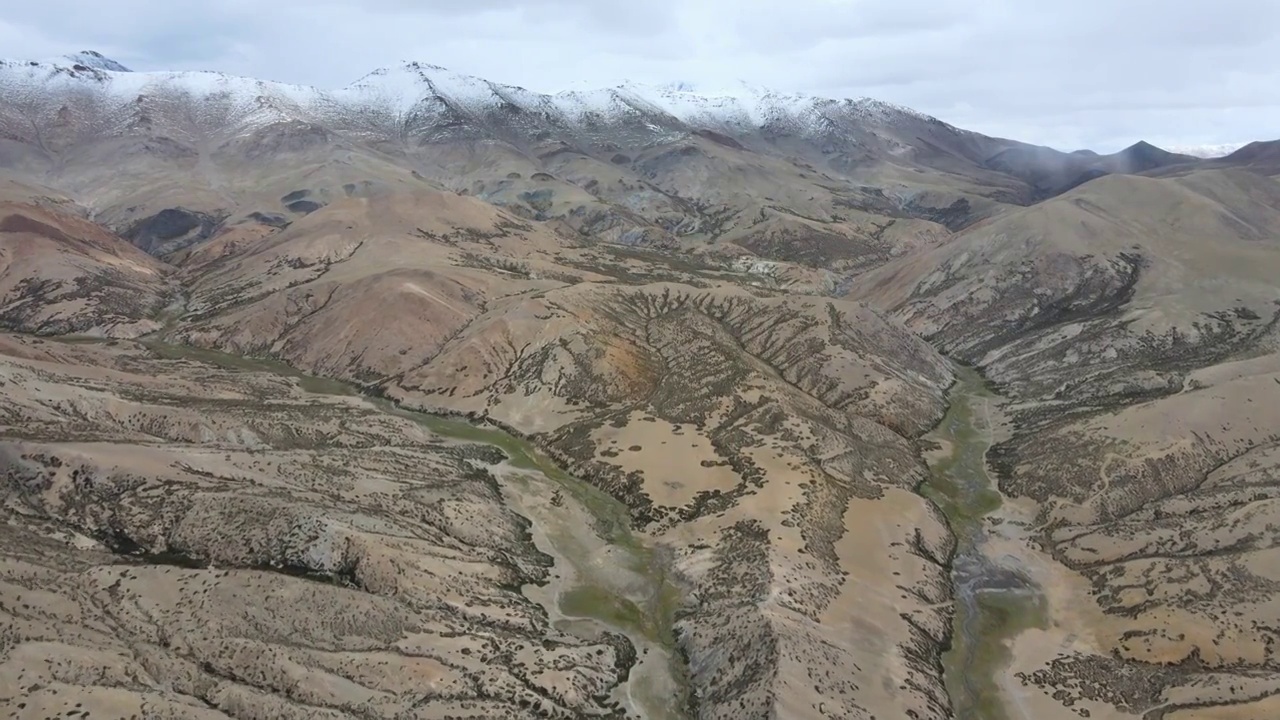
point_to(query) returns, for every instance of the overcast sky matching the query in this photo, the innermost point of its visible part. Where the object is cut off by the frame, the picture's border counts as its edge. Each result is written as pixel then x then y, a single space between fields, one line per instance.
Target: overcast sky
pixel 1079 73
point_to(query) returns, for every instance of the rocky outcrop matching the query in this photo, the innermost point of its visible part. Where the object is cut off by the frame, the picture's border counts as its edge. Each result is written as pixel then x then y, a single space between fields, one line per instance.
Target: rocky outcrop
pixel 171 230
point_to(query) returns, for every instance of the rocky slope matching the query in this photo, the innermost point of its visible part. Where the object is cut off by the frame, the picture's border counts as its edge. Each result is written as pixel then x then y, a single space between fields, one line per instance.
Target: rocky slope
pixel 1122 285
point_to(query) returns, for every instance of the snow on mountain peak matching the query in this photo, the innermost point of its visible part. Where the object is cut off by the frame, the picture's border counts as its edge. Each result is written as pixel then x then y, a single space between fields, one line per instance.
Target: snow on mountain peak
pixel 736 89
pixel 679 86
pixel 426 91
pixel 96 60
pixel 1206 151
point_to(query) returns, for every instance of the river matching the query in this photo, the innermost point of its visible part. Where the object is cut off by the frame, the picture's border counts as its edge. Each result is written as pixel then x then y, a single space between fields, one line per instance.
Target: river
pixel 993 600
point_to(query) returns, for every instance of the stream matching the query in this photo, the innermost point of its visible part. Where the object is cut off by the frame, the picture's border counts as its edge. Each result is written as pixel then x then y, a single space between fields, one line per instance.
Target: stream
pixel 604 576
pixel 993 600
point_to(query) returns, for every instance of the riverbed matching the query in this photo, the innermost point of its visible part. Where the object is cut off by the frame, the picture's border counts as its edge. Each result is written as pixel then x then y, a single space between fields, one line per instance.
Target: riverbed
pixel 994 600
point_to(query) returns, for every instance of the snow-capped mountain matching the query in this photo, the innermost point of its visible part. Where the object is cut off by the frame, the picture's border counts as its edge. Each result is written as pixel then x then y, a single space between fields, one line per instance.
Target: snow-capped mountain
pixel 1206 151
pixel 414 95
pixel 93 59
pixel 635 155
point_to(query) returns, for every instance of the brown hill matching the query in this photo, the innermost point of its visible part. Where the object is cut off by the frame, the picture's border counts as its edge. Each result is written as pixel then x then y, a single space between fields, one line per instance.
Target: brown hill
pixel 60 273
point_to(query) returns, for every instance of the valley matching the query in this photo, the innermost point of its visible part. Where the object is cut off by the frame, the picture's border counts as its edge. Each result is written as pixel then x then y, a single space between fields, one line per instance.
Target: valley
pixel 994 601
pixel 432 397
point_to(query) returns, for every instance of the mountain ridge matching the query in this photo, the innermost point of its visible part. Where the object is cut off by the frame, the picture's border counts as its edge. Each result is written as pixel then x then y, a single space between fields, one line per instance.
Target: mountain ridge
pixel 686 101
pixel 401 87
pixel 633 163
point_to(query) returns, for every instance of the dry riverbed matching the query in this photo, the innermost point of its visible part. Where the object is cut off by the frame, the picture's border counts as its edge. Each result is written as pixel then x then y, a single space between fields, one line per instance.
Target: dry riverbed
pixel 995 597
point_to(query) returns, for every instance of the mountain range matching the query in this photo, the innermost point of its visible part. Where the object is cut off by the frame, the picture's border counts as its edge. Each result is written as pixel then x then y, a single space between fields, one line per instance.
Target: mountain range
pixel 704 347
pixel 864 155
